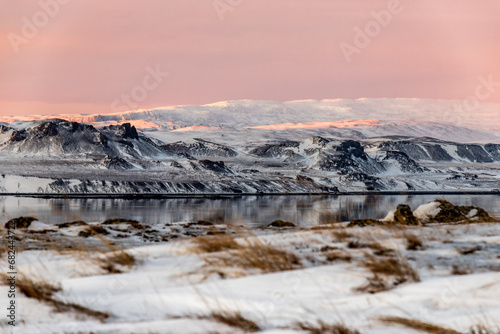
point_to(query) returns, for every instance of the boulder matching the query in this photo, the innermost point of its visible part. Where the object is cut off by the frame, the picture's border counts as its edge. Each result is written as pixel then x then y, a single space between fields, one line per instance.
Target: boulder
pixel 281 224
pixel 403 215
pixel 19 223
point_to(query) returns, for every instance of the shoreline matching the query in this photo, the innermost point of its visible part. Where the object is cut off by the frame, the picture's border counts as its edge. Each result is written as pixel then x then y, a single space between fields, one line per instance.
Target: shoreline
pixel 132 196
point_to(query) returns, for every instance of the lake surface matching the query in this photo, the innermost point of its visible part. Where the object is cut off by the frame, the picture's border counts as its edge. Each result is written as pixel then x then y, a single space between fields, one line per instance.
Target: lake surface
pixel 252 210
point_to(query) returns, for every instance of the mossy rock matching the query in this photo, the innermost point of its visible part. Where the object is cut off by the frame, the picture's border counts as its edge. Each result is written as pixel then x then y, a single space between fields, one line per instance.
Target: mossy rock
pixel 69 224
pixel 20 222
pixel 92 230
pixel 364 222
pixel 203 223
pixel 450 213
pixel 404 215
pixel 133 223
pixel 281 224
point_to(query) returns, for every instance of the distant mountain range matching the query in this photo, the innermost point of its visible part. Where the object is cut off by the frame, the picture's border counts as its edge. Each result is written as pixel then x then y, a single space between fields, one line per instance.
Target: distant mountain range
pixel 441 119
pixel 253 147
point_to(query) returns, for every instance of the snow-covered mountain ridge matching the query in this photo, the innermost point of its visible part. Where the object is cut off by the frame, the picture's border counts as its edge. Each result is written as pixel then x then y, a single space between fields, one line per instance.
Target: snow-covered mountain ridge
pixel 251 147
pixel 442 119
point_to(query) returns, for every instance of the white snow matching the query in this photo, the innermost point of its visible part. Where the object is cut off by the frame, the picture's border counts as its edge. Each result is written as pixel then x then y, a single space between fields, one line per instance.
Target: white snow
pixel 472 213
pixel 168 290
pixel 248 120
pixel 39 226
pixel 389 217
pixel 426 211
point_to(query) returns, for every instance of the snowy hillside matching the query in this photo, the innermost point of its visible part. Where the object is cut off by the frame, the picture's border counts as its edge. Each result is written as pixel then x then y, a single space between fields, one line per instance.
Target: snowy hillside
pixel 59 137
pixel 353 119
pixel 254 147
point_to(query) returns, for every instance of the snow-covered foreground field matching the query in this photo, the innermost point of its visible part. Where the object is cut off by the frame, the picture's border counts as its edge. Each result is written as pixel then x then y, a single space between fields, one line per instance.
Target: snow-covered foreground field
pixel 201 277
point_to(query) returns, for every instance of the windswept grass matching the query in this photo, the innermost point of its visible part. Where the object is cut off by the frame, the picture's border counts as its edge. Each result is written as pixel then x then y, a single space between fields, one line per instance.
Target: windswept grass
pixel 216 243
pixel 392 266
pixel 249 254
pixel 324 328
pixel 418 325
pixel 44 291
pixel 234 319
pixel 484 329
pixel 121 258
pixel 413 242
pixel 388 272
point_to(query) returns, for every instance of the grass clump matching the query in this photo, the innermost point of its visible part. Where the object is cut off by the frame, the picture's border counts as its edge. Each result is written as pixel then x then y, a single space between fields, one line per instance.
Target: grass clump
pixel 234 319
pixel 413 242
pixel 388 272
pixel 419 325
pixel 341 234
pixel 216 243
pixel 252 254
pixel 112 262
pixel 484 329
pixel 325 328
pixel 44 291
pixel 335 256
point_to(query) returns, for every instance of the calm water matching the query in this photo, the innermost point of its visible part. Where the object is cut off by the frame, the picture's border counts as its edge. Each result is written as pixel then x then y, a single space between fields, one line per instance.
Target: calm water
pixel 255 211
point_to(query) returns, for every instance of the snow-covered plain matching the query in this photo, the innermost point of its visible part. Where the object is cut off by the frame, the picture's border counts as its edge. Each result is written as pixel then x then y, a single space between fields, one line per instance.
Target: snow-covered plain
pixel 174 289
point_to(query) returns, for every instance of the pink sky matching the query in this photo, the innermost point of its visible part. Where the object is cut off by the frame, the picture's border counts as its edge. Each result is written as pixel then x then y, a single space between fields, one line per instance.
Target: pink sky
pixel 91 52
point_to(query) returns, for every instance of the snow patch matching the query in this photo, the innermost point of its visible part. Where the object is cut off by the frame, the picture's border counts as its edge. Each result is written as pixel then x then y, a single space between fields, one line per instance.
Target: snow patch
pixel 427 211
pixel 390 217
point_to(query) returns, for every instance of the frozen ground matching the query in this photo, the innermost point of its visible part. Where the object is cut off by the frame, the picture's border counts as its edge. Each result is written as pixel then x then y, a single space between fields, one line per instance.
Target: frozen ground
pixel 180 285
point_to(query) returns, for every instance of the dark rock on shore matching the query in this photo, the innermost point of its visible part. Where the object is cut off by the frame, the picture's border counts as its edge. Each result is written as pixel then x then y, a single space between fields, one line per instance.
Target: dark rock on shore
pixel 404 215
pixel 281 224
pixel 69 224
pixel 21 222
pixel 447 213
pixel 450 213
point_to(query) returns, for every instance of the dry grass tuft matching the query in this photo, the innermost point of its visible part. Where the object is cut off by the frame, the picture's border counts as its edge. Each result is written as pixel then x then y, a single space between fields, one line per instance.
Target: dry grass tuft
pixel 388 272
pixel 379 250
pixel 41 290
pixel 255 254
pixel 324 328
pixel 121 258
pixel 392 266
pixel 461 270
pixel 235 319
pixel 216 243
pixel 413 242
pixel 341 234
pixel 469 250
pixel 44 291
pixel 483 329
pixel 338 255
pixel 419 325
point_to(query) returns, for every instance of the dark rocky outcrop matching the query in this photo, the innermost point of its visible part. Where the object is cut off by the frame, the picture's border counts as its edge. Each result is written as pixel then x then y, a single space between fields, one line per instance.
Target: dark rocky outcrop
pixel 450 213
pixel 111 162
pixel 281 224
pixel 200 148
pixel 403 161
pixel 404 215
pixel 283 150
pixel 348 158
pixel 214 166
pixel 20 222
pixel 60 137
